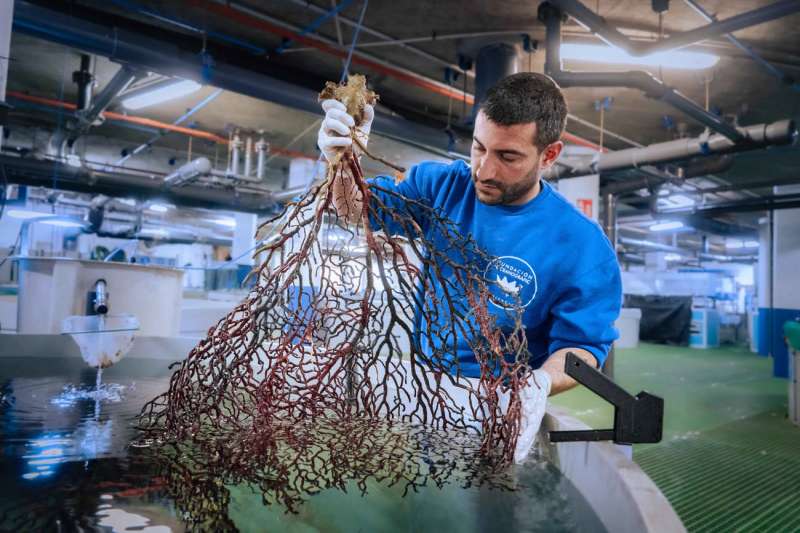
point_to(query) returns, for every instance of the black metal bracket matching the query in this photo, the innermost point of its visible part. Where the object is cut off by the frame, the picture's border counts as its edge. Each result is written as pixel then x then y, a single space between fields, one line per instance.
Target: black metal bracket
pixel 637 419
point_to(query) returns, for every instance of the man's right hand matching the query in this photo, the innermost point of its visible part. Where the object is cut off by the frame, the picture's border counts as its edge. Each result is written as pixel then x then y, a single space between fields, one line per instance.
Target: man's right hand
pixel 334 133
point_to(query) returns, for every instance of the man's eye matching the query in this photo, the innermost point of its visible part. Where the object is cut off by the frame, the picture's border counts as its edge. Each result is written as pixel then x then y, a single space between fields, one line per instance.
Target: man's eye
pixel 477 147
pixel 509 158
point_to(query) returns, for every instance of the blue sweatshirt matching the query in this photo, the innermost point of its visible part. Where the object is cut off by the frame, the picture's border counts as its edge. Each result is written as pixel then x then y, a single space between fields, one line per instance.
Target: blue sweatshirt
pixel 545 255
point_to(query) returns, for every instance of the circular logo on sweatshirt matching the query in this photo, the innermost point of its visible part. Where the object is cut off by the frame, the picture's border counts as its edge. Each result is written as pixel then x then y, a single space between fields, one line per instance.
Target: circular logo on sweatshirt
pixel 511 281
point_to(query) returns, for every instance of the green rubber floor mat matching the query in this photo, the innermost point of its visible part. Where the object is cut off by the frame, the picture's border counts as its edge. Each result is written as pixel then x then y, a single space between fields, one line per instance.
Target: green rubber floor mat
pixel 730 459
pixel 743 476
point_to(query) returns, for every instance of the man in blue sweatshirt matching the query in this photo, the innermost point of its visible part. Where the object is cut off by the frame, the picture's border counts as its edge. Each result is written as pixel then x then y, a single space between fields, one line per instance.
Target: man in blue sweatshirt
pixel 547 256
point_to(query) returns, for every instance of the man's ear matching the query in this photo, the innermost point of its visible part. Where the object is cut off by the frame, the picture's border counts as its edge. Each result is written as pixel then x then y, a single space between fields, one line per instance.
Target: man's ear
pixel 550 154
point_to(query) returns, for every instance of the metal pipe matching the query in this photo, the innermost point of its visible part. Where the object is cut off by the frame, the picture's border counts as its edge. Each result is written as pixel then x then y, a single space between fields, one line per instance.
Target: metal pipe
pixel 174 127
pixel 188 171
pixel 231 176
pixel 159 56
pixel 600 27
pixel 747 49
pixel 610 227
pixel 85 80
pixel 494 62
pixel 86 117
pixel 636 79
pixel 262 147
pixel 235 147
pixel 248 157
pixel 391 40
pixel 100 302
pixel 29 171
pixel 758 136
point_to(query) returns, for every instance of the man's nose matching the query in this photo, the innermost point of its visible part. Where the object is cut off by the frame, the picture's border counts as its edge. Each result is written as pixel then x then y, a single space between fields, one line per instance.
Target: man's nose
pixel 485 168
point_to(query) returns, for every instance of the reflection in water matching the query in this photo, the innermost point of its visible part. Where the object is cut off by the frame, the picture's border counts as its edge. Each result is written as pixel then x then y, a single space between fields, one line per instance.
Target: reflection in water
pixel 68 463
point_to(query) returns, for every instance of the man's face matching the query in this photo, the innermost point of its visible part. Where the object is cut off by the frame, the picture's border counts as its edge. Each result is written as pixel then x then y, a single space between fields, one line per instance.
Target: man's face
pixel 506 163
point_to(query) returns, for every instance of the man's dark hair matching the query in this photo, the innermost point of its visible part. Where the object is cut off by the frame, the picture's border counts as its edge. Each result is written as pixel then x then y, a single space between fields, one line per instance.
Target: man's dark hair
pixel 528 97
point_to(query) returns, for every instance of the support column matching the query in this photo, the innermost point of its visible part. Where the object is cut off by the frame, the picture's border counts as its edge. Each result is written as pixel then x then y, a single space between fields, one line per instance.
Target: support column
pixel 6 18
pixel 244 242
pixel 780 301
pixel 610 227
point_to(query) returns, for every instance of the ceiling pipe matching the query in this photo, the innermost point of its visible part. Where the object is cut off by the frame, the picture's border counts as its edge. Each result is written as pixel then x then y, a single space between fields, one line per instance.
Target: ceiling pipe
pixel 387 40
pixel 188 171
pixel 759 136
pixel 262 22
pixel 608 33
pixel 52 174
pixel 747 49
pixel 761 203
pixel 704 166
pixel 84 78
pixel 159 56
pixel 635 79
pixel 86 117
pixel 154 124
pixel 155 55
pixel 694 169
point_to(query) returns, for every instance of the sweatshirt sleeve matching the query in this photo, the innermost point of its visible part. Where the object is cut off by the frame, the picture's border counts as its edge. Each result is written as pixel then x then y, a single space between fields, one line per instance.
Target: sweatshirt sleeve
pixel 584 314
pixel 393 203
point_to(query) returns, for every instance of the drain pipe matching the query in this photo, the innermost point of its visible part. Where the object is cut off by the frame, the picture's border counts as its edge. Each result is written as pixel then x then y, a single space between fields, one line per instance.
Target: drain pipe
pixel 635 79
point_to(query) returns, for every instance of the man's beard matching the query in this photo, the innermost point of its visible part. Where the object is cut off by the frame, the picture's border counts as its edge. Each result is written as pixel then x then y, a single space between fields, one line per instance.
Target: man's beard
pixel 509 192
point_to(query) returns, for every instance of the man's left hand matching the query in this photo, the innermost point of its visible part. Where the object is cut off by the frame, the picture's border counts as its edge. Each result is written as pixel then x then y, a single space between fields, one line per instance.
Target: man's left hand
pixel 534 401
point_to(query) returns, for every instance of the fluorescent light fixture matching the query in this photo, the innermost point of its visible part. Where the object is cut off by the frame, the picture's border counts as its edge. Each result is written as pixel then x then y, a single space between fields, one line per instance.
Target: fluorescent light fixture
pixel 231 223
pixel 673 257
pixel 598 53
pixel 751 244
pixel 25 214
pixel 158 208
pixel 160 92
pixel 666 226
pixel 127 201
pixel 64 223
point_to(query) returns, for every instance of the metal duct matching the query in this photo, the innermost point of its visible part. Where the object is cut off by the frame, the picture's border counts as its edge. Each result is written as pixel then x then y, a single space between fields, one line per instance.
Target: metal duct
pixel 85 81
pixel 166 58
pixel 188 171
pixel 705 166
pixel 637 79
pixel 50 174
pixel 494 62
pixel 758 136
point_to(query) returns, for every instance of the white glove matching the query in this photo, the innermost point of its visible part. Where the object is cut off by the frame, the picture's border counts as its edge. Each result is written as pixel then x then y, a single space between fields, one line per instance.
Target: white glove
pixel 334 133
pixel 534 401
